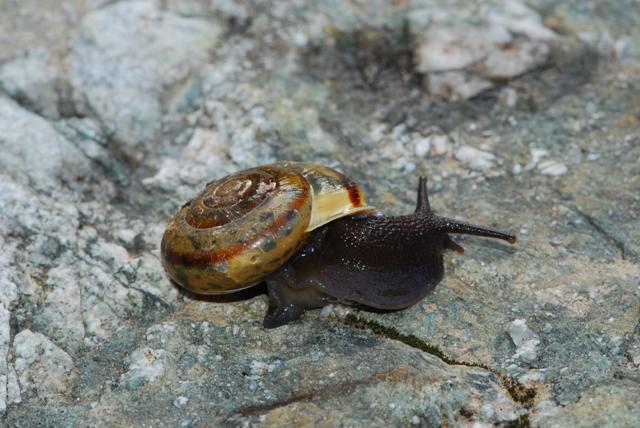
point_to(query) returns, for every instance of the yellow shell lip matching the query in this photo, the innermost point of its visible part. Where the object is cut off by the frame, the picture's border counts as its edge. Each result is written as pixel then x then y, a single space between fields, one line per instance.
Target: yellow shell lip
pixel 333 194
pixel 318 219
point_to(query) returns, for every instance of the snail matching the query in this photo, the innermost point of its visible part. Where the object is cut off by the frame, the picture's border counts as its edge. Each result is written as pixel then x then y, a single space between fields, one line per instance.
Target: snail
pixel 307 231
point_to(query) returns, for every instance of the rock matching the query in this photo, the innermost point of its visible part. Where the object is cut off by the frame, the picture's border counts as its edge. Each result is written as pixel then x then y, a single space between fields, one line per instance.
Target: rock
pixel 312 371
pixel 113 114
pixel 202 158
pixel 335 311
pixel 422 146
pixel 462 47
pixel 5 337
pixel 34 24
pixel 525 339
pixel 508 97
pixel 145 365
pixel 441 144
pixel 633 349
pixel 13 389
pixel 47 225
pixel 475 159
pixel 113 283
pixel 61 317
pixel 25 138
pixel 536 156
pixel 44 370
pixel 180 401
pixel 35 80
pixel 612 404
pixel 123 53
pixel 9 294
pixel 456 85
pixel 552 168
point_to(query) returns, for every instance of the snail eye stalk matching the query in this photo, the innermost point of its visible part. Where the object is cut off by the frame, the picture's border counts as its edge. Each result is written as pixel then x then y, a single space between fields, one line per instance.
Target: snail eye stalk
pixel 422 206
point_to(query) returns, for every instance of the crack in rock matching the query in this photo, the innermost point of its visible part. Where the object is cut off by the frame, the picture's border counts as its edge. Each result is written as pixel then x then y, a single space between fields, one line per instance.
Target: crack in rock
pixel 396 375
pixel 618 244
pixel 518 392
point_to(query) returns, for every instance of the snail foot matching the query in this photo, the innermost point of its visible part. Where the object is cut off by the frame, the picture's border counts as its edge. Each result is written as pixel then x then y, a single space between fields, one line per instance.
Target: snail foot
pixel 278 316
pixel 287 304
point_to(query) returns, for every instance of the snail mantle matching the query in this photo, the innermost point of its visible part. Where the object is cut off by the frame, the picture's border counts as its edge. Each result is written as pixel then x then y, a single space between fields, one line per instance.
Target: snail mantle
pixel 307 231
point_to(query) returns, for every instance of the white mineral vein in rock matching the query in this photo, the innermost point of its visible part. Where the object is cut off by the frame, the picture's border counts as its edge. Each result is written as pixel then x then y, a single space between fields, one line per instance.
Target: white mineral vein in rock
pixel 335 310
pixel 532 376
pixel 258 368
pixel 525 339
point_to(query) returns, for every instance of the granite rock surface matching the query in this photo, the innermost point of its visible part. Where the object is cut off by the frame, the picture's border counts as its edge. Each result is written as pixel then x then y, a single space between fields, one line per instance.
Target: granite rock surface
pixel 524 117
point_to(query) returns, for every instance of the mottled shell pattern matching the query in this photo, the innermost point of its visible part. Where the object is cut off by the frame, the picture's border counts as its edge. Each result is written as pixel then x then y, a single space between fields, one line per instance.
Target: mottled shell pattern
pixel 243 227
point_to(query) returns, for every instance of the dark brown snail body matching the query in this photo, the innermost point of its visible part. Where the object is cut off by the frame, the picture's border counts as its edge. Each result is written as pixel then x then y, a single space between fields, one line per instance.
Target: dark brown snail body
pixel 307 231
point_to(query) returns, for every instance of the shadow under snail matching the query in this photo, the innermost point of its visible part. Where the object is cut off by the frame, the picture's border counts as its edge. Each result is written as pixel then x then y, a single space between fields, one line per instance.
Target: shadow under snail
pixel 307 231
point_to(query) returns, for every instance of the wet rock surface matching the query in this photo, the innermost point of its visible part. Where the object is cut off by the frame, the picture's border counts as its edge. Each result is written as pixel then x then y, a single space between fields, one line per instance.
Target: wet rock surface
pixel 112 114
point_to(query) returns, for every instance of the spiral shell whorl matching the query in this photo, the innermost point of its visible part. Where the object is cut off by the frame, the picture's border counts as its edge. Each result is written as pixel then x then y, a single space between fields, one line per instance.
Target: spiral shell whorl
pixel 237 230
pixel 243 227
pixel 228 199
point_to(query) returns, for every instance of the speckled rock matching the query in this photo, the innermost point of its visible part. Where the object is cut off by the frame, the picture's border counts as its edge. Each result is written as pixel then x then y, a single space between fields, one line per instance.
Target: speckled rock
pixel 122 54
pixel 317 372
pixel 611 404
pixel 464 46
pixel 26 138
pixel 44 370
pixel 5 337
pixel 61 316
pixel 35 80
pixel 113 114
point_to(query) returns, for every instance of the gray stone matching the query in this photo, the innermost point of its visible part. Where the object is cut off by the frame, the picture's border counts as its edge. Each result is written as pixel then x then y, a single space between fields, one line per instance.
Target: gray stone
pixel 13 389
pixel 35 80
pixel 463 46
pixel 113 114
pixel 146 365
pixel 123 54
pixel 29 24
pixel 612 404
pixel 33 152
pixel 311 371
pixel 5 337
pixel 44 370
pixel 525 339
pixel 474 158
pixel 9 294
pixel 61 318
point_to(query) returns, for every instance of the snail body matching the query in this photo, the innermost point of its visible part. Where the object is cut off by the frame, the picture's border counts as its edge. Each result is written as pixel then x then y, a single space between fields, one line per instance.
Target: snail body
pixel 307 231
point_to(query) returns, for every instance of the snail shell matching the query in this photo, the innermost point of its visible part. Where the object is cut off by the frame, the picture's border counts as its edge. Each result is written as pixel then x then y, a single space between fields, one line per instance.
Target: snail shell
pixel 243 227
